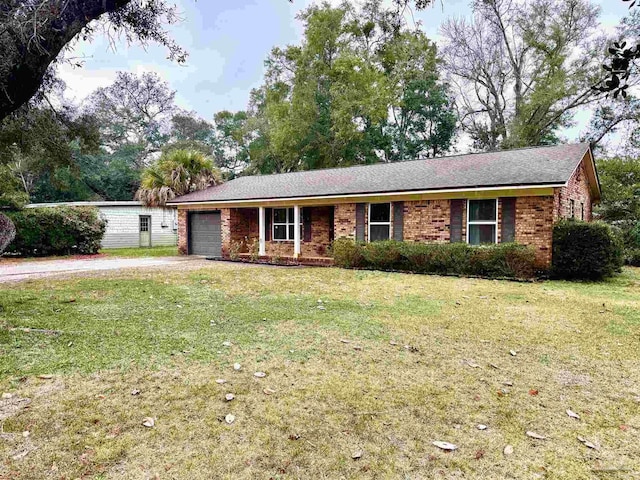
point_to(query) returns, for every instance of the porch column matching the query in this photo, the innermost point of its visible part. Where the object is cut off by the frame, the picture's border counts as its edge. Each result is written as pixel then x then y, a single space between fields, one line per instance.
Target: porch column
pixel 296 231
pixel 262 245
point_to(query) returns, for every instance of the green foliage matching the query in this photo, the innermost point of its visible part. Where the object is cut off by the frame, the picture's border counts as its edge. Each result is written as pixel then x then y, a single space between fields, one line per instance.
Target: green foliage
pixel 56 231
pixel 496 261
pixel 585 251
pixel 632 257
pixel 7 232
pixel 620 181
pixel 361 88
pixel 176 173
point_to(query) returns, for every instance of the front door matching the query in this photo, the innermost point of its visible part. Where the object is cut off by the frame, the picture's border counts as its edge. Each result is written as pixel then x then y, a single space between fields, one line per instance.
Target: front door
pixel 145 230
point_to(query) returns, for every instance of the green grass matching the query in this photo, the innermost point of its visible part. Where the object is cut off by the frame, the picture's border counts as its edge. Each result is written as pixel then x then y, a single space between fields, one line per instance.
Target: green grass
pixel 389 364
pixel 140 252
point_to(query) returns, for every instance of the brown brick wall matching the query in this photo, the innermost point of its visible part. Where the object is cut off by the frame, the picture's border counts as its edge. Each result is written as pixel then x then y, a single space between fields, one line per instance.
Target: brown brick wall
pixel 578 190
pixel 427 221
pixel 534 226
pixel 344 220
pixel 182 232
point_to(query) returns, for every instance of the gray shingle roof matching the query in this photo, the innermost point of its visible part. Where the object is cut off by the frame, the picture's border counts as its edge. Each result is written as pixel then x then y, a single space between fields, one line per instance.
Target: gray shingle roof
pixel 527 166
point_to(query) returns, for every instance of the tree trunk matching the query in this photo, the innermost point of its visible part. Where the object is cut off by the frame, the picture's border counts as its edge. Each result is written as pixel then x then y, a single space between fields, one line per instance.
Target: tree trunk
pixel 28 52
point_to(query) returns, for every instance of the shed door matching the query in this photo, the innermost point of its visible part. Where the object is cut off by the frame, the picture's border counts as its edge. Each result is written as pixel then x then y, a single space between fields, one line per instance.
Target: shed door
pixel 205 234
pixel 145 230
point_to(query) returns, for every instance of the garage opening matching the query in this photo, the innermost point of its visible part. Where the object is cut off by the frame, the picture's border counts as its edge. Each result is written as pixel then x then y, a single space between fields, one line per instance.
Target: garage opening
pixel 205 234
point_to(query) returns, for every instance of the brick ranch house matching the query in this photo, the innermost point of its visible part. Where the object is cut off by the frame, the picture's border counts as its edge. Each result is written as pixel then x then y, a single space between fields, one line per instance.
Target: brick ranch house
pixel 480 198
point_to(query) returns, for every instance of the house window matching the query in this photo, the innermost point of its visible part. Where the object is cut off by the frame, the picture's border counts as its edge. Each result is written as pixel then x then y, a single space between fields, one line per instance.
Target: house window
pixel 581 210
pixel 379 221
pixel 572 209
pixel 482 221
pixel 283 226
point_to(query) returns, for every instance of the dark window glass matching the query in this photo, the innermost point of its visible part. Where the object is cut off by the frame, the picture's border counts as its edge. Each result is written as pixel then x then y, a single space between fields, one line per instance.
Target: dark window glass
pixel 379 232
pixel 280 232
pixel 380 212
pixel 482 210
pixel 291 231
pixel 481 234
pixel 581 211
pixel 279 215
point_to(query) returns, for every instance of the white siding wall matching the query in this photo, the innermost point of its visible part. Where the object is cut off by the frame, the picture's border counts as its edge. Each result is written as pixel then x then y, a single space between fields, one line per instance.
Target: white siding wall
pixel 123 227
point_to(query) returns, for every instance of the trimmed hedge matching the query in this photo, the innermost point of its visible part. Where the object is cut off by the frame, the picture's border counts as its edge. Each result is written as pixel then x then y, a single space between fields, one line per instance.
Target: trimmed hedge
pixel 7 232
pixel 585 251
pixel 507 260
pixel 56 231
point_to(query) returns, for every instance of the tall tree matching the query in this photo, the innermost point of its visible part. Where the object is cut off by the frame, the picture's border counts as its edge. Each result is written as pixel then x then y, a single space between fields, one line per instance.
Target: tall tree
pixel 33 33
pixel 134 110
pixel 360 88
pixel 522 69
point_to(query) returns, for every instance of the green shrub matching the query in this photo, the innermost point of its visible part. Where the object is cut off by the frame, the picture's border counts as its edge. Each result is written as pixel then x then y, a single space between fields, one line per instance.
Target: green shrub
pixel 7 232
pixel 56 231
pixel 495 261
pixel 587 251
pixel 347 253
pixel 632 257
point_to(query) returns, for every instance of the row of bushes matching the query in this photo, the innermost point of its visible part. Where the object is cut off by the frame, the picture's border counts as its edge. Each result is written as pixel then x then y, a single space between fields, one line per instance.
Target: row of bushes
pixel 56 231
pixel 581 250
pixel 507 260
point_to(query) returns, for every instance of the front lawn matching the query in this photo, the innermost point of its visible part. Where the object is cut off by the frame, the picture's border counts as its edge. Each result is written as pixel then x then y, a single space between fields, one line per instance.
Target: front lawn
pixel 370 365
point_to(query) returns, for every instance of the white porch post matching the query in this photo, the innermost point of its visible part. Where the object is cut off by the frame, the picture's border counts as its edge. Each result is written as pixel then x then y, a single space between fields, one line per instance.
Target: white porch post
pixel 296 231
pixel 261 223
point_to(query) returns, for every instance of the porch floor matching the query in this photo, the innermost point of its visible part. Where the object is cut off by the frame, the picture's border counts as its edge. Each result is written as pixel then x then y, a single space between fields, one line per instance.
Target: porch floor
pixel 289 260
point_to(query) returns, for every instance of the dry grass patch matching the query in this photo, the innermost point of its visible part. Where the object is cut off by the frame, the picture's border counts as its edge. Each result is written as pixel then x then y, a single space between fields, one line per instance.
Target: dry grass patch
pixel 389 364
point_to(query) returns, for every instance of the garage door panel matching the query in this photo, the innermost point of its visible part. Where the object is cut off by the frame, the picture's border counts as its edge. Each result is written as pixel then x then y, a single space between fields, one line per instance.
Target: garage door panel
pixel 205 234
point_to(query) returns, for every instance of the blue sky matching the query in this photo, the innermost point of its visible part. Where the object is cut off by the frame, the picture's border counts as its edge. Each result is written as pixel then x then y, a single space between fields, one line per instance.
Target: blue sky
pixel 228 41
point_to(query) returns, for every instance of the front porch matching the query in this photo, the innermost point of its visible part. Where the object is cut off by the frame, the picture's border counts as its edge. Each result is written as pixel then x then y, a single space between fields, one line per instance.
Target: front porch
pixel 288 234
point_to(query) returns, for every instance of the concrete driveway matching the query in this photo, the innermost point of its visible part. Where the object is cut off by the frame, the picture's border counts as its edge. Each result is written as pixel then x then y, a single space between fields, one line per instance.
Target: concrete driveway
pixel 24 270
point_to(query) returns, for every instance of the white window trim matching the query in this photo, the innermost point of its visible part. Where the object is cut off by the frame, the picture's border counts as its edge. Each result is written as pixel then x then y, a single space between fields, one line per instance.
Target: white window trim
pixel 289 222
pixel 482 222
pixel 369 222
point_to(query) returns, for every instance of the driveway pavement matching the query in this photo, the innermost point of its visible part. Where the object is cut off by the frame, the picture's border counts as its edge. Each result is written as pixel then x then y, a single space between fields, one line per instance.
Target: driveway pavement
pixel 23 270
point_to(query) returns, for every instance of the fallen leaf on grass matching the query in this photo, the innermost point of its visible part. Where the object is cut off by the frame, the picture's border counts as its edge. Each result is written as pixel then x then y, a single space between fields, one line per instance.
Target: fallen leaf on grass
pixel 624 428
pixel 7 396
pixel 148 422
pixel 269 391
pixel 229 396
pixel 237 366
pixel 220 381
pixel 294 436
pixel 513 353
pixel 482 427
pixel 135 391
pixel 535 435
pixel 508 450
pixel 533 392
pixel 227 344
pixel 357 347
pixel 587 443
pixel 45 377
pixel 230 419
pixel 260 374
pixel 573 414
pixel 479 454
pixel 345 341
pixel 357 454
pixel 445 446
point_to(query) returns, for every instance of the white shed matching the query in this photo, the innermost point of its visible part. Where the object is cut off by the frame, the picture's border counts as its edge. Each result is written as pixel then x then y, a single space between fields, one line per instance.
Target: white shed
pixel 131 224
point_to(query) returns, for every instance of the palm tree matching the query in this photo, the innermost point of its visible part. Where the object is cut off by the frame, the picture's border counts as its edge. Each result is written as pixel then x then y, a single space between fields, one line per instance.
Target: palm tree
pixel 176 173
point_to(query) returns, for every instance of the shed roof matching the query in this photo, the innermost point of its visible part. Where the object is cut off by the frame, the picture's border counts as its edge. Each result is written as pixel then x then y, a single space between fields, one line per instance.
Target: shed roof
pixel 523 167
